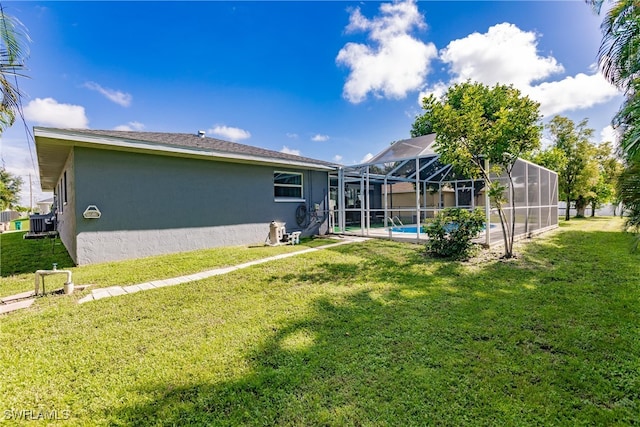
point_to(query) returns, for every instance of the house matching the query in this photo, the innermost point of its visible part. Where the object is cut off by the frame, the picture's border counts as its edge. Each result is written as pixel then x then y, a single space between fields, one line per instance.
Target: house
pixel 44 206
pixel 122 195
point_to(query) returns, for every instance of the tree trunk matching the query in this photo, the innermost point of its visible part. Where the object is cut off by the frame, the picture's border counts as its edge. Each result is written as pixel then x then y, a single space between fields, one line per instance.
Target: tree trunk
pixel 593 209
pixel 581 206
pixel 566 212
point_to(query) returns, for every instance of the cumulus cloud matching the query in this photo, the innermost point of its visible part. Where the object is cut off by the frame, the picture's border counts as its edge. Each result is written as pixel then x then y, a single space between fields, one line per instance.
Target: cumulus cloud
pixel 292 135
pixel 48 112
pixel 394 62
pixel 337 158
pixel 230 133
pixel 288 150
pixel 131 126
pixel 506 54
pixel 571 93
pixel 121 98
pixel 320 138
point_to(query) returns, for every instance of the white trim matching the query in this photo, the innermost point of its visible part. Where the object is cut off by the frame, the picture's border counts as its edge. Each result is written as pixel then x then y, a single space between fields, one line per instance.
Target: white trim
pixel 300 186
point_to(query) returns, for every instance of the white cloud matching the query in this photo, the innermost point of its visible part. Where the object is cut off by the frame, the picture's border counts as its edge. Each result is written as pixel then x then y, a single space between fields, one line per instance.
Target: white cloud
pixel 131 126
pixel 609 134
pixel 506 54
pixel 16 155
pixel 337 158
pixel 320 138
pixel 121 98
pixel 228 132
pixel 288 150
pixel 395 62
pixel 292 135
pixel 436 90
pixel 366 158
pixel 48 112
pixel 571 93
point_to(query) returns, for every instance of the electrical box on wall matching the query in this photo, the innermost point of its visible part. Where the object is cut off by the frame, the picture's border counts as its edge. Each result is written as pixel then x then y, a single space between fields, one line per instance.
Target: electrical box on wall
pixel 92 212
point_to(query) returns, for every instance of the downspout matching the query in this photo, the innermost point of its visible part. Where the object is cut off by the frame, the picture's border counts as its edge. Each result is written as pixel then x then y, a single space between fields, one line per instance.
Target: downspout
pixel 418 219
pixel 362 219
pixel 341 202
pixel 368 206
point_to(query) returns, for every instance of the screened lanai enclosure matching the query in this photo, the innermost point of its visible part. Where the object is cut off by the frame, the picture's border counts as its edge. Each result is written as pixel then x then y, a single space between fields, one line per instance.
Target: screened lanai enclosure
pixel 398 190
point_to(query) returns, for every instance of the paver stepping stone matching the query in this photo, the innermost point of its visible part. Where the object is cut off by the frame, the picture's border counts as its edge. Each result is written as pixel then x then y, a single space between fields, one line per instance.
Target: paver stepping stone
pixel 8 308
pixel 17 297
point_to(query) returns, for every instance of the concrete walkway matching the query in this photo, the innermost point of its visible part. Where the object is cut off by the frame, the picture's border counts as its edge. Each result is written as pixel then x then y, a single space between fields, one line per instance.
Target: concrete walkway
pixel 114 291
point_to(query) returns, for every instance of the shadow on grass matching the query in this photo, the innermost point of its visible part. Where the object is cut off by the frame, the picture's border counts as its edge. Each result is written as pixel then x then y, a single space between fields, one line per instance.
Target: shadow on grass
pixel 411 341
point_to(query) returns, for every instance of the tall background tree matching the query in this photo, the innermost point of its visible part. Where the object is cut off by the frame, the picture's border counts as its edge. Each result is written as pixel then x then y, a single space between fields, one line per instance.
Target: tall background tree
pixel 572 155
pixel 481 131
pixel 609 169
pixel 9 189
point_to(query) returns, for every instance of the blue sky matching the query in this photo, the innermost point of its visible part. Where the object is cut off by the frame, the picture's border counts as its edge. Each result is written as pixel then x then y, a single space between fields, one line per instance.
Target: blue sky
pixel 331 80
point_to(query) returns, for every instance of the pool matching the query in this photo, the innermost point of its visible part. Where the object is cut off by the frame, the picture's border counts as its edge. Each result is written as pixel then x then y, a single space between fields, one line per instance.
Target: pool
pixel 414 229
pixel 407 229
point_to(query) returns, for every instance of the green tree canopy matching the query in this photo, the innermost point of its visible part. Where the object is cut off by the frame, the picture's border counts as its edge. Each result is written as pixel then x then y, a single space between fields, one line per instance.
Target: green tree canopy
pixel 609 170
pixel 480 130
pixel 9 189
pixel 573 156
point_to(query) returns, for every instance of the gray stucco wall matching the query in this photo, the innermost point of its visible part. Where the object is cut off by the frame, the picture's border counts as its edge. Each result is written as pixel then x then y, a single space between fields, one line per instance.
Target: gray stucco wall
pixel 66 211
pixel 153 204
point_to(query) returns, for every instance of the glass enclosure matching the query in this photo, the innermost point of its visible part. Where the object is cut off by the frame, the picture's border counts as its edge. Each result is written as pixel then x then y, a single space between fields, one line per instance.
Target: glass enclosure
pixel 398 190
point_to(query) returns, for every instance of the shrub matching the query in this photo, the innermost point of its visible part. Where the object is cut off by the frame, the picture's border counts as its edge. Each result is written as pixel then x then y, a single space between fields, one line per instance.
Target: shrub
pixel 451 231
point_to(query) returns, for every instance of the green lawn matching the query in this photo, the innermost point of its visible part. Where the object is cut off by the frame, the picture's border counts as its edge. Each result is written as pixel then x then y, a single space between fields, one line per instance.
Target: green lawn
pixel 362 334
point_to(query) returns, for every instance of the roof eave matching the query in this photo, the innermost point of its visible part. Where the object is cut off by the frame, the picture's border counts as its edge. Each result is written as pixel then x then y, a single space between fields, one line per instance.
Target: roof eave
pixel 69 138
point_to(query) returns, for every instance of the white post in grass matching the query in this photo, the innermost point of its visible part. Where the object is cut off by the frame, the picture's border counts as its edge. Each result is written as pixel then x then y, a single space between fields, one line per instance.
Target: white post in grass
pixel 487 207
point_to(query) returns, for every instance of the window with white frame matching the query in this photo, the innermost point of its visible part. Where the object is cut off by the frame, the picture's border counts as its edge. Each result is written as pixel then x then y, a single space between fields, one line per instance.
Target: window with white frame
pixel 287 185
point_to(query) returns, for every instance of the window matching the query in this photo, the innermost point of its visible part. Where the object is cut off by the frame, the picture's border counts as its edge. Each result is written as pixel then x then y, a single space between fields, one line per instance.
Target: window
pixel 65 187
pixel 59 197
pixel 287 185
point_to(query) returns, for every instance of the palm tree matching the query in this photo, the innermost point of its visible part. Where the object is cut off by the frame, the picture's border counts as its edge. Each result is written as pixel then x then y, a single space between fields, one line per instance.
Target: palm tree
pixel 619 53
pixel 13 53
pixel 619 59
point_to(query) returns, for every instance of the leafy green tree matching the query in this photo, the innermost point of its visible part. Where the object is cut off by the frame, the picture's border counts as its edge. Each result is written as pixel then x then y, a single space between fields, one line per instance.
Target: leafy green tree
pixel 481 131
pixel 609 169
pixel 572 155
pixel 9 189
pixel 13 54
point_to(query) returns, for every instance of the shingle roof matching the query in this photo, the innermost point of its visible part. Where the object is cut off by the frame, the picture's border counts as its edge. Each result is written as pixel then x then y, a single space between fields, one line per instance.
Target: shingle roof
pixel 194 141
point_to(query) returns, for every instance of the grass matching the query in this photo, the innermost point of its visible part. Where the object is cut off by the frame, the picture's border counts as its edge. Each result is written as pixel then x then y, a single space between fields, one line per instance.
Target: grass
pixel 361 334
pixel 21 258
pixel 18 255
